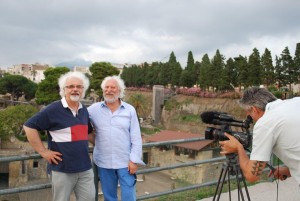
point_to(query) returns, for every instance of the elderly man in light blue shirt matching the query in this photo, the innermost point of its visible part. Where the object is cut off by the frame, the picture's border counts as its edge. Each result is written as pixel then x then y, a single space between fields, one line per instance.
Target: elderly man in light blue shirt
pixel 118 142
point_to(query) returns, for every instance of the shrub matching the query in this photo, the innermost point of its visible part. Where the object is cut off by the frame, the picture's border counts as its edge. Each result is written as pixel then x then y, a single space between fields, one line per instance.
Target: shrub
pixel 12 119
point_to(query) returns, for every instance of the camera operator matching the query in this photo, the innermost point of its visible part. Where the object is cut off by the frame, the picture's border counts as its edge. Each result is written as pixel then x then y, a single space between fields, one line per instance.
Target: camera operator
pixel 277 130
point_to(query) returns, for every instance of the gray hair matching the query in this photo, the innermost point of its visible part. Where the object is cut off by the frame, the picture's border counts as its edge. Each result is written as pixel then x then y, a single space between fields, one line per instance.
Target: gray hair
pixel 63 80
pixel 258 97
pixel 120 84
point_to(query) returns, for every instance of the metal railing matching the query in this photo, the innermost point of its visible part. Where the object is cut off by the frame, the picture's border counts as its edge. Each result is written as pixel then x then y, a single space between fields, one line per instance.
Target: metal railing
pixel 142 171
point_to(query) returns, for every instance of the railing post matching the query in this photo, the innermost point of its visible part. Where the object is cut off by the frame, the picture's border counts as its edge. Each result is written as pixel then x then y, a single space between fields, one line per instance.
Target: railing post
pixel 96 180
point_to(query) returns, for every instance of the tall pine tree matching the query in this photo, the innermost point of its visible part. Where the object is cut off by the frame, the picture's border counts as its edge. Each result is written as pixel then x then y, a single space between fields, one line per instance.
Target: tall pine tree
pixel 290 73
pixel 297 60
pixel 216 73
pixel 268 76
pixel 204 79
pixel 175 70
pixel 254 69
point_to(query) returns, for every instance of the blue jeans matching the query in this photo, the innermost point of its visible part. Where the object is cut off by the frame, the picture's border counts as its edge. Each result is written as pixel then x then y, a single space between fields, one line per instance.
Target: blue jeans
pixel 109 182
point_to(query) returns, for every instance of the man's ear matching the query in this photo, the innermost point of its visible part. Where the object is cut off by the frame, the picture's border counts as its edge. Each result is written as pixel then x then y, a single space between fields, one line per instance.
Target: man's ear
pixel 258 111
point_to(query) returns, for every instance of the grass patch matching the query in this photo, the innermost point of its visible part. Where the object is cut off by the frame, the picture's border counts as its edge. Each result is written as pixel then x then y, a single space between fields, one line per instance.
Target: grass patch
pixel 190 118
pixel 203 192
pixel 149 131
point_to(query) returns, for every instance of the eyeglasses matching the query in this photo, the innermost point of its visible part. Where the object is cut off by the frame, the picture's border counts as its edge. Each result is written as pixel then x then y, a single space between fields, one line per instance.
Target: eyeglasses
pixel 75 86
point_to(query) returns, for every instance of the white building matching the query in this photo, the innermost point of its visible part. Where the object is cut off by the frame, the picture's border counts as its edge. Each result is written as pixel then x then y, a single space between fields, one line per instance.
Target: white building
pixel 34 72
pixel 83 69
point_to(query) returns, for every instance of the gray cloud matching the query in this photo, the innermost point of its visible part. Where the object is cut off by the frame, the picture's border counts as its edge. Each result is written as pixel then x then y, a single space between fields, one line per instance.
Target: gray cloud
pixel 135 31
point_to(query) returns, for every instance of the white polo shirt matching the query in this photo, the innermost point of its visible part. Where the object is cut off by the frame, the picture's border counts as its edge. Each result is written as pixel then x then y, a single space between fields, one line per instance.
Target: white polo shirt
pixel 278 131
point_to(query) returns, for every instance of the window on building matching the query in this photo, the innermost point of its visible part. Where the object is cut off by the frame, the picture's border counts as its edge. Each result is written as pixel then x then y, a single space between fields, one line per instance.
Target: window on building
pixel 23 168
pixel 35 164
pixel 177 151
pixel 146 157
pixel 192 154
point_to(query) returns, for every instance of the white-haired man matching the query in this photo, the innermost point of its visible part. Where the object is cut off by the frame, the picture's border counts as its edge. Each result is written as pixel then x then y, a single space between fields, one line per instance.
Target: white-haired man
pixel 118 143
pixel 67 124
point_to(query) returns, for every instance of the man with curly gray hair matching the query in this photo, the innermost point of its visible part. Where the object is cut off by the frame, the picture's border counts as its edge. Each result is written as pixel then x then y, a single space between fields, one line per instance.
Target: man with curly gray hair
pixel 118 143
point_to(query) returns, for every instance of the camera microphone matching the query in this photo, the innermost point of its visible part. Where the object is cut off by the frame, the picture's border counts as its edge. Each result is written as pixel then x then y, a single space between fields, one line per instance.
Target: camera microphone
pixel 226 121
pixel 212 117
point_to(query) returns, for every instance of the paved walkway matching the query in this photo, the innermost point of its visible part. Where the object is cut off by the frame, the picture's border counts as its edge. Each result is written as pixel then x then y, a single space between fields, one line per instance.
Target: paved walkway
pixel 288 190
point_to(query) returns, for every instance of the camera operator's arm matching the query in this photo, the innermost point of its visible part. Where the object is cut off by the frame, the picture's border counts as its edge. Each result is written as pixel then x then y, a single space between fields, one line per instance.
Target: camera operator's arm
pixel 252 170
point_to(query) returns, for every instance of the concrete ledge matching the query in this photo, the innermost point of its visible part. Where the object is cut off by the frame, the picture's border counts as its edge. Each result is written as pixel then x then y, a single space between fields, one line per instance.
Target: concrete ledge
pixel 287 190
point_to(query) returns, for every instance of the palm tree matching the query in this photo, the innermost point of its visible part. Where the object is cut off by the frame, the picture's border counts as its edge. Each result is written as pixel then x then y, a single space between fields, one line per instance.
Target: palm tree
pixel 33 73
pixel 137 100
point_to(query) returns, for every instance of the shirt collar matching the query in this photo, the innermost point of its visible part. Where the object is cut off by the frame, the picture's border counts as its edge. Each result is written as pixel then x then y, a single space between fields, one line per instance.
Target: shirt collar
pixel 273 104
pixel 122 105
pixel 65 104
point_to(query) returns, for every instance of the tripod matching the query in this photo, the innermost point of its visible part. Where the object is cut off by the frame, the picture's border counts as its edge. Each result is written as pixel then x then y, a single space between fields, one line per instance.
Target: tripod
pixel 231 167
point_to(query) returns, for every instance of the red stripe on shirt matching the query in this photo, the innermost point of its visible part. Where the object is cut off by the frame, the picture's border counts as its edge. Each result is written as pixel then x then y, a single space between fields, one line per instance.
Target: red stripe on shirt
pixel 79 132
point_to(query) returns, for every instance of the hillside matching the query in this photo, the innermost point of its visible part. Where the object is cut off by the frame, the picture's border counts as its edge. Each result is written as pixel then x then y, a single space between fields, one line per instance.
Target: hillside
pixel 183 112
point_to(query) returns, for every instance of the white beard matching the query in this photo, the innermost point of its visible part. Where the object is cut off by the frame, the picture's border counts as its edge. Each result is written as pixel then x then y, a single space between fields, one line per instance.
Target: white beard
pixel 75 98
pixel 110 100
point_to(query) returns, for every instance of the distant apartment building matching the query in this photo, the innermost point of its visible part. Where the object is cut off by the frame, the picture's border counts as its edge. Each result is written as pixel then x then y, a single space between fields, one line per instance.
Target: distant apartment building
pixel 34 72
pixel 83 69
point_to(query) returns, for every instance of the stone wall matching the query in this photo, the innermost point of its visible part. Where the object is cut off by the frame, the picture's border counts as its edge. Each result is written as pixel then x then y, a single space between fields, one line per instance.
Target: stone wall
pixel 22 172
pixel 193 174
pixel 195 106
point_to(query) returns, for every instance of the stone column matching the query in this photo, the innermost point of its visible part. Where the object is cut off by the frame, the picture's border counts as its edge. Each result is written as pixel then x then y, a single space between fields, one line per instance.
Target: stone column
pixel 157 103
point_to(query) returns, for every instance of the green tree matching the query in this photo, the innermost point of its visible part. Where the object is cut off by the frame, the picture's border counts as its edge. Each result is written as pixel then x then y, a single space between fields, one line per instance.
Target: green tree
pixel 17 86
pixel 197 72
pixel 175 70
pixel 137 101
pixel 12 119
pixel 216 72
pixel 99 71
pixel 243 71
pixel 189 75
pixel 48 89
pixel 291 75
pixel 165 75
pixel 151 77
pixel 184 79
pixel 268 77
pixel 255 70
pixel 297 60
pixel 279 72
pixel 203 78
pixel 230 75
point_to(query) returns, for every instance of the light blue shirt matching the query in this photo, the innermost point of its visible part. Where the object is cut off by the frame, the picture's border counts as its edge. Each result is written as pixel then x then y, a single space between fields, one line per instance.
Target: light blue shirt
pixel 118 136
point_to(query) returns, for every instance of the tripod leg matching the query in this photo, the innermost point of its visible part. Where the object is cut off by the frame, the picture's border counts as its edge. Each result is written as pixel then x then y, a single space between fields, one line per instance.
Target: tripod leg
pixel 231 167
pixel 239 179
pixel 218 185
pixel 222 177
pixel 239 188
pixel 245 186
pixel 229 188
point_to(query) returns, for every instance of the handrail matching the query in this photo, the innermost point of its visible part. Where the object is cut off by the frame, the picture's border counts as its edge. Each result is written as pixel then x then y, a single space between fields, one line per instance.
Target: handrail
pixel 141 171
pixel 151 144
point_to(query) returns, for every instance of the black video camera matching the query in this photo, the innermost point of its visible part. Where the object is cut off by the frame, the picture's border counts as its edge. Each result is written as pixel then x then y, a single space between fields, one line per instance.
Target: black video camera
pixel 226 121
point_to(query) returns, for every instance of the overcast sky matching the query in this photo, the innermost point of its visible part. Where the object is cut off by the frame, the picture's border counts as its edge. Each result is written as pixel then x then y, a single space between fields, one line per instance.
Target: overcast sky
pixel 136 31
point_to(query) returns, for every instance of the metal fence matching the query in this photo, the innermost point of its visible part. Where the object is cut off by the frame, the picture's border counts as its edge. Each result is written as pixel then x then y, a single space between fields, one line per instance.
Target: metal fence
pixel 142 171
